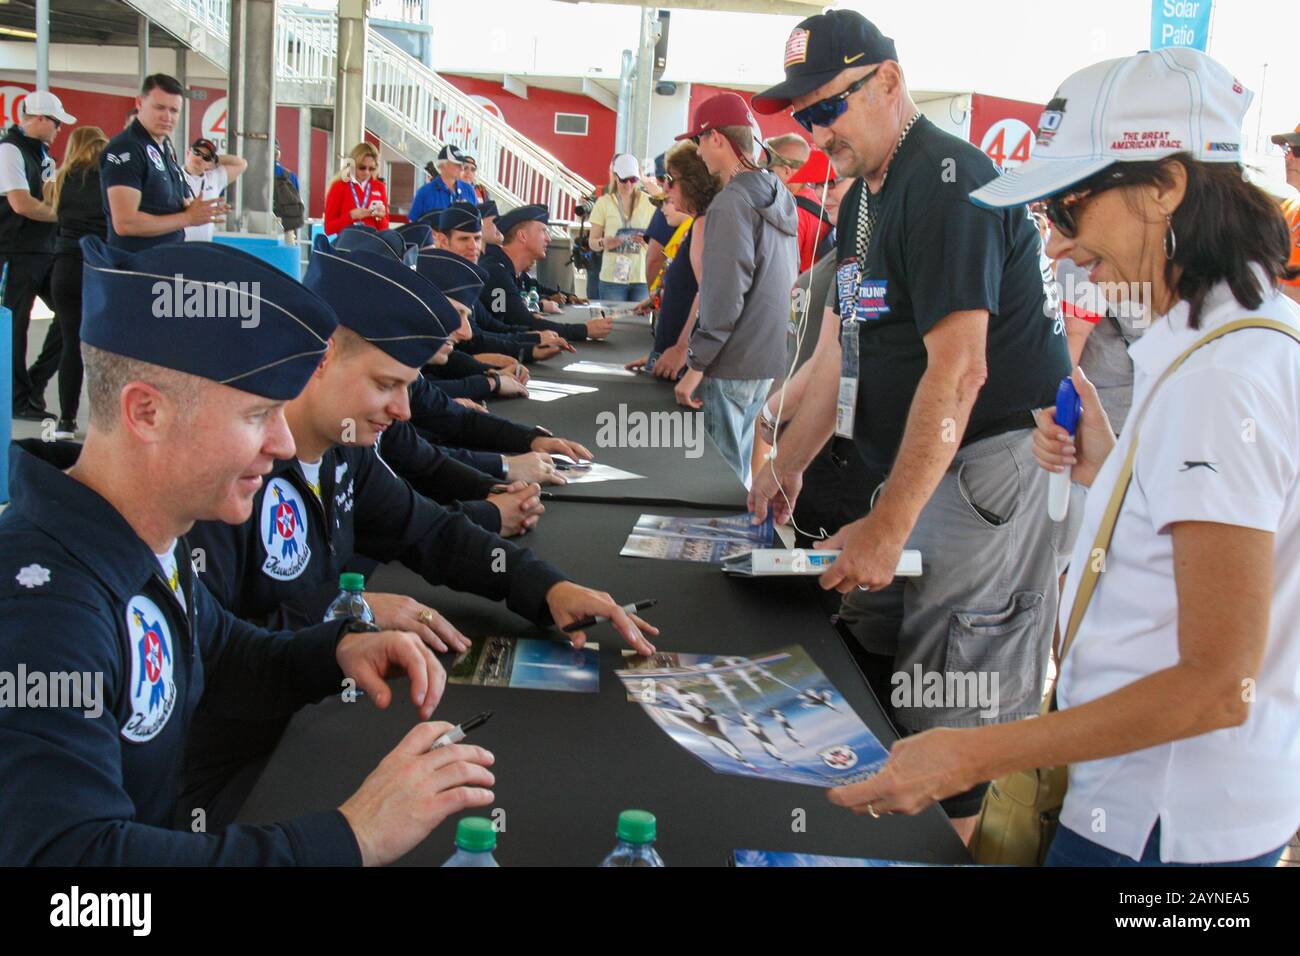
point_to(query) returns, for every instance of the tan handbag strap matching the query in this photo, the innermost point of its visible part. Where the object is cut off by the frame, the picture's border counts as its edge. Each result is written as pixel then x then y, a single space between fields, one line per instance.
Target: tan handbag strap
pixel 1101 543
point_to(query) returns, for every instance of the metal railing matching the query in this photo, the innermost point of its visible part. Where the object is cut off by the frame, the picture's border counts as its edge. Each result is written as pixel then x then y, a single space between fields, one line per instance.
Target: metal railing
pixel 305 41
pixel 212 15
pixel 415 101
pixel 435 112
pixel 401 11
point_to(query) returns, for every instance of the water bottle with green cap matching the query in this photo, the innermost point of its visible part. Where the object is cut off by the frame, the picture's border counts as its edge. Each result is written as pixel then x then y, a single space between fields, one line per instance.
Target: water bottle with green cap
pixel 476 838
pixel 636 841
pixel 351 602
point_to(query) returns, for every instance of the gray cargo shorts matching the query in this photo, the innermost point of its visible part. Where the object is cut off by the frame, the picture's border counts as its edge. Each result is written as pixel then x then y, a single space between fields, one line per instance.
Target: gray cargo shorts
pixel 970 638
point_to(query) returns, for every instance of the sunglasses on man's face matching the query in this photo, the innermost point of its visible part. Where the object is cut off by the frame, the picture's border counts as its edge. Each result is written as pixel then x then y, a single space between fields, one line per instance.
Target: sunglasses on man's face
pixel 827 111
pixel 1289 149
pixel 58 123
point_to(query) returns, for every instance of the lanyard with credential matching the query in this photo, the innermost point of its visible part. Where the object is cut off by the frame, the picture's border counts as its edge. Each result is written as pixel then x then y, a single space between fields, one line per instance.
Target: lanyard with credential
pixel 362 201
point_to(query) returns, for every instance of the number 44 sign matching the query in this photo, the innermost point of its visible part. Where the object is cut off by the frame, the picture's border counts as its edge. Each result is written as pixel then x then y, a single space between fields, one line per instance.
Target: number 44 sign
pixel 1008 143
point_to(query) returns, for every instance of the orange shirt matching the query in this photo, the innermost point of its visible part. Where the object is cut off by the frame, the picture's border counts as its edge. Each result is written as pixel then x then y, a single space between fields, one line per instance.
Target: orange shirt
pixel 1291 210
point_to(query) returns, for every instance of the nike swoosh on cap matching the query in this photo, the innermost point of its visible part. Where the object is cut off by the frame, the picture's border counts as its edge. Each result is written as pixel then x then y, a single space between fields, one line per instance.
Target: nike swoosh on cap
pixel 850 59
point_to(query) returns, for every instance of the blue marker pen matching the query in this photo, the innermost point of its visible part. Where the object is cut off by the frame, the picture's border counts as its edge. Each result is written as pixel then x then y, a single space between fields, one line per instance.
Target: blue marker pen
pixel 1069 408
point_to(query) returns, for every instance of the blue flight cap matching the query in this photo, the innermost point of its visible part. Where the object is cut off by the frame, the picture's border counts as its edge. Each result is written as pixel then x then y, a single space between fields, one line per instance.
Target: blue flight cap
pixel 514 217
pixel 487 209
pixel 205 309
pixel 385 242
pixel 382 300
pixel 419 234
pixel 456 276
pixel 461 216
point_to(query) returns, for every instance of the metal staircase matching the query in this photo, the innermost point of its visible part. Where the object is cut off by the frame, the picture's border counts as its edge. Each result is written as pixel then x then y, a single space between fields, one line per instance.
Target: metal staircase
pixel 408 105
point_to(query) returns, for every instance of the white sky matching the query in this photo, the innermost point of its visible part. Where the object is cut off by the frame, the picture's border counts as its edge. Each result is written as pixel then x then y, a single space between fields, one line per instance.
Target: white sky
pixel 1015 48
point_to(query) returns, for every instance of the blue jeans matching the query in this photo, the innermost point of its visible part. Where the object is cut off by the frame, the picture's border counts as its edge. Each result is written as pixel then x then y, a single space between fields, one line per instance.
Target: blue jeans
pixel 1071 849
pixel 622 291
pixel 731 405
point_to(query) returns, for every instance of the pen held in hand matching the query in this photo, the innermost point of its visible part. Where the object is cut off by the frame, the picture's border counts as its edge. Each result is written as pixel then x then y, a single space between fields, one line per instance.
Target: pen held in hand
pixel 592 620
pixel 459 732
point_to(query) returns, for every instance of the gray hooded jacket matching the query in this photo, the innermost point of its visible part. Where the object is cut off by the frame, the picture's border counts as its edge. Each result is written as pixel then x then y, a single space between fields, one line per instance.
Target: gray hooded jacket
pixel 751 260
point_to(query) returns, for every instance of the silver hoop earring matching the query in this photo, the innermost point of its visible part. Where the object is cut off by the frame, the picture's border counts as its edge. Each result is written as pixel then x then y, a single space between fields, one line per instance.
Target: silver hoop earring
pixel 1171 239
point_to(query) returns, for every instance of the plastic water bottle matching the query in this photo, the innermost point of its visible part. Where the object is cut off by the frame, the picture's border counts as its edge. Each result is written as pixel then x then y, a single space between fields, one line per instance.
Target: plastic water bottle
pixel 475 841
pixel 636 838
pixel 534 301
pixel 1069 409
pixel 351 601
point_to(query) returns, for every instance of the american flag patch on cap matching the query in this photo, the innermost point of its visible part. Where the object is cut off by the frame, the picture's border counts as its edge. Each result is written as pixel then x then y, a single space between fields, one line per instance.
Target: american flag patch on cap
pixel 796 48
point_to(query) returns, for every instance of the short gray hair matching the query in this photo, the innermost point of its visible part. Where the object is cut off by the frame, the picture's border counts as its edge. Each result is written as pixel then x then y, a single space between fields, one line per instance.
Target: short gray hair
pixel 107 373
pixel 791 141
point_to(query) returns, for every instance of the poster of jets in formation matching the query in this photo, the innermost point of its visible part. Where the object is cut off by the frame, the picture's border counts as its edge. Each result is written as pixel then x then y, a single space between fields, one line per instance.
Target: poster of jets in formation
pixel 707 540
pixel 775 716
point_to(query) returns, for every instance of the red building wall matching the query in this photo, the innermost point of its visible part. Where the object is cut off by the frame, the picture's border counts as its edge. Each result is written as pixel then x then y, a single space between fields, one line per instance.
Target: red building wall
pixel 104 110
pixel 588 156
pixel 1004 129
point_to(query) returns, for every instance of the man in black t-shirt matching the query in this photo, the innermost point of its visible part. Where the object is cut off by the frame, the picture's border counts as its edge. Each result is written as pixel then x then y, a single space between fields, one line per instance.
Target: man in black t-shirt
pixel 946 350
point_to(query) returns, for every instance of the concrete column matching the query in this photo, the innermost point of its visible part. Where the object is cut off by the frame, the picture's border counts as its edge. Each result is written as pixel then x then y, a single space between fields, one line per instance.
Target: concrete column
pixel 142 50
pixel 638 131
pixel 349 86
pixel 234 112
pixel 257 122
pixel 181 135
pixel 304 158
pixel 42 44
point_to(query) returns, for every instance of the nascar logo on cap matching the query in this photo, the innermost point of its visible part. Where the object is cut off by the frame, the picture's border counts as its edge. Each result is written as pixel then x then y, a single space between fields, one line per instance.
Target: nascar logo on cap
pixel 796 48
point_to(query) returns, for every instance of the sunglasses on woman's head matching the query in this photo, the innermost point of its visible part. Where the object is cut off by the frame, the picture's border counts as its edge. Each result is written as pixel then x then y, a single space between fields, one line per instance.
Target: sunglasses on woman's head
pixel 827 111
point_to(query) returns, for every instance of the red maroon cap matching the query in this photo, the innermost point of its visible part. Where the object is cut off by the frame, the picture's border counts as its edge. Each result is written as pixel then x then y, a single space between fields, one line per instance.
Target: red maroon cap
pixel 724 109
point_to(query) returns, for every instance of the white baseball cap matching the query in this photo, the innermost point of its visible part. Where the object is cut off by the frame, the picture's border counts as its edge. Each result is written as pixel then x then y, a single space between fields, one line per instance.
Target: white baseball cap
pixel 45 103
pixel 625 166
pixel 1135 109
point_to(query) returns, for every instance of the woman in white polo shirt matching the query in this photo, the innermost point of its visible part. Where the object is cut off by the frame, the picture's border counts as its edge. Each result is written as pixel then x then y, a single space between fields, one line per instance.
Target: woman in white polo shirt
pixel 1179 697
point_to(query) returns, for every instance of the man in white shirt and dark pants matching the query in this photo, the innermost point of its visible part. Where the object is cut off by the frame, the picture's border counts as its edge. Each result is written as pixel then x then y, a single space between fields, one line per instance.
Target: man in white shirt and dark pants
pixel 208 173
pixel 27 240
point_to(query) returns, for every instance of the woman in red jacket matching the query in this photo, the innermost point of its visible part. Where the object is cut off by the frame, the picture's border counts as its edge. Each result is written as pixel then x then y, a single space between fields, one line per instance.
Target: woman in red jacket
pixel 357 194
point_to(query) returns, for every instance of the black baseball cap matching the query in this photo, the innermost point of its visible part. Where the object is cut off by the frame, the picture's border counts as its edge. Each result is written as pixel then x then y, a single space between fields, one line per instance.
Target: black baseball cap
pixel 818 49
